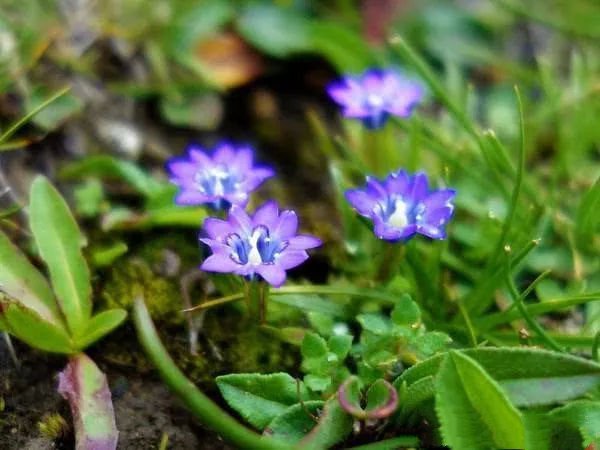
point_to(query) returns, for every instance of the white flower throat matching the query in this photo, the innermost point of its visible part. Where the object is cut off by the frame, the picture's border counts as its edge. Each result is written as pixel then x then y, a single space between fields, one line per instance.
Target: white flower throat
pixel 399 218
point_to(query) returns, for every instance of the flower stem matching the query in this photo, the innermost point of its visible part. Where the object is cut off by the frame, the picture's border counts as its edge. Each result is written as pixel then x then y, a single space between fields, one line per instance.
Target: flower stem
pixel 256 293
pixel 392 256
pixel 198 403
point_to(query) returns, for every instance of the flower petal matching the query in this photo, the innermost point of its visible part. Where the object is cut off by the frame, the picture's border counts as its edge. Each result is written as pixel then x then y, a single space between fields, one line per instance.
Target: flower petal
pixel 267 215
pixel 362 202
pixel 287 225
pixel 420 187
pixel 291 258
pixel 217 228
pixel 240 220
pixel 272 273
pixel 190 197
pixel 219 263
pixel 180 168
pixel 303 242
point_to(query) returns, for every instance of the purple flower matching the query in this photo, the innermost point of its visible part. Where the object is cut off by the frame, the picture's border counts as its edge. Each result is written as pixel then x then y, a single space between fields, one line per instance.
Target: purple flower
pixel 375 95
pixel 224 179
pixel 265 244
pixel 402 205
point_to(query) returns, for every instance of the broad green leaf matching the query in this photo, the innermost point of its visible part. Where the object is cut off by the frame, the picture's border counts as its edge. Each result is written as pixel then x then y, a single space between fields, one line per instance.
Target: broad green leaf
pixel 59 242
pixel 26 325
pixel 412 396
pixel 276 30
pixel 334 426
pixel 406 312
pixel 431 343
pixel 332 40
pixel 25 284
pixel 86 389
pixel 260 398
pixel 529 376
pixel 106 166
pixel 313 346
pixel 538 430
pixel 100 325
pixel 295 422
pixel 583 415
pixel 473 410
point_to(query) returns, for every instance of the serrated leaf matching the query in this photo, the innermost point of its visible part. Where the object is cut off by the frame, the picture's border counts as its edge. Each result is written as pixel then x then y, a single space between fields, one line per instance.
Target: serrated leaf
pixel 313 346
pixel 583 415
pixel 529 376
pixel 26 325
pixel 100 325
pixel 21 281
pixel 59 242
pixel 473 410
pixel 317 383
pixel 431 343
pixel 260 398
pixel 412 396
pixel 406 311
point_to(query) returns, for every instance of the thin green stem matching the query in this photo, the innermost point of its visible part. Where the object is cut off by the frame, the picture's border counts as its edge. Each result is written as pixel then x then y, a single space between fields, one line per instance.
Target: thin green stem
pixel 518 299
pixel 372 294
pixel 468 323
pixel 199 404
pixel 595 347
pixel 23 120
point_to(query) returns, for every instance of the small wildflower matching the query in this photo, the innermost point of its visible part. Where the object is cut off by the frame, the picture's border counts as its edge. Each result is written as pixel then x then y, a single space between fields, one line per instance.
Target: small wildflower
pixel 375 95
pixel 264 244
pixel 402 205
pixel 222 180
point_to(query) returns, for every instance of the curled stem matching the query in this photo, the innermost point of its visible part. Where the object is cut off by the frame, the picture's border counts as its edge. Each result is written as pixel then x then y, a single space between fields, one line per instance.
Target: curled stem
pixel 199 404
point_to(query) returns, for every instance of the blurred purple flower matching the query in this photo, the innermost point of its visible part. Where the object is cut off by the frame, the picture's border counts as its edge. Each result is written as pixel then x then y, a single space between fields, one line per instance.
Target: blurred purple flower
pixel 265 243
pixel 375 95
pixel 222 180
pixel 402 205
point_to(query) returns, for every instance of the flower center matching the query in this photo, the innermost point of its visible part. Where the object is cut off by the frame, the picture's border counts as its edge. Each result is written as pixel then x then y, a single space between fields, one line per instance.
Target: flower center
pixel 217 181
pixel 375 101
pixel 399 214
pixel 258 248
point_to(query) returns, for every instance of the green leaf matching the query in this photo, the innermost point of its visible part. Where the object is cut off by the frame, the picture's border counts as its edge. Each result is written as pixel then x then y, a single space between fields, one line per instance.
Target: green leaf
pixel 583 415
pixel 431 343
pixel 332 40
pixel 473 410
pixel 312 303
pixel 313 346
pixel 587 221
pixel 20 280
pixel 106 166
pixel 340 345
pixel 382 400
pixel 375 323
pixel 317 383
pixel 100 325
pixel 276 30
pixel 26 325
pixel 59 242
pixel 415 394
pixel 295 422
pixel 260 398
pixel 55 113
pixel 529 376
pixel 334 426
pixel 406 312
pixel 349 397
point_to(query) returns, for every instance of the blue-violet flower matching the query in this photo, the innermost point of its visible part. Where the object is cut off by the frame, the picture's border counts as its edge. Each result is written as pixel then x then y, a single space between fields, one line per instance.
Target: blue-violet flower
pixel 264 244
pixel 375 95
pixel 402 205
pixel 222 180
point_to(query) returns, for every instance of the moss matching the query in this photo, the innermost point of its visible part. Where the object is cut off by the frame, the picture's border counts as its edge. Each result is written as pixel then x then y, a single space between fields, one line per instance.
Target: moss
pixel 133 278
pixel 53 426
